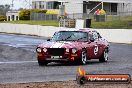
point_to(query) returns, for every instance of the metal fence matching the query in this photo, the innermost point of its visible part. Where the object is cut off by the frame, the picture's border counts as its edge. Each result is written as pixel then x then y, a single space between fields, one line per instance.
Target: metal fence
pixel 42 16
pixel 110 16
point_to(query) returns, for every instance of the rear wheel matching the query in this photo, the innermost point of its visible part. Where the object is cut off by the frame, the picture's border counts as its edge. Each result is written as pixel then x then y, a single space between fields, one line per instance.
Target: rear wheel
pixel 42 63
pixel 105 56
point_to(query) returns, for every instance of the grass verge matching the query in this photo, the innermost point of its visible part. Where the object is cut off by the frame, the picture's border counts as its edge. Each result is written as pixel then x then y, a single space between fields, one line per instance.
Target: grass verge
pixel 31 22
pixel 111 23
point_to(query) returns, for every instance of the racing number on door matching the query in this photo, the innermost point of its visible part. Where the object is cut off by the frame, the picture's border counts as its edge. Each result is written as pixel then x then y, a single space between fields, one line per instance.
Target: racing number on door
pixel 96 49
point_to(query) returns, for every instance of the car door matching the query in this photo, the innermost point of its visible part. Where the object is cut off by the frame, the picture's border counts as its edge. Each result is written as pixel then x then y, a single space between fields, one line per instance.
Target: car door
pixel 99 43
pixel 94 45
pixel 91 45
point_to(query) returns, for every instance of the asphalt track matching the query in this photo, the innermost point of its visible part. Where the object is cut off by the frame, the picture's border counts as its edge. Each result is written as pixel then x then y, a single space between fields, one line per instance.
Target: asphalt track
pixel 18 62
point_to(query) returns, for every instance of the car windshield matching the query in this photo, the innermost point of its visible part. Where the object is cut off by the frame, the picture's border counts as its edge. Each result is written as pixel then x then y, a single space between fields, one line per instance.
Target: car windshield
pixel 70 36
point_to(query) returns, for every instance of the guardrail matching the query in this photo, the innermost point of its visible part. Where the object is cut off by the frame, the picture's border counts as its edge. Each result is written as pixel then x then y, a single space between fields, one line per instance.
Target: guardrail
pixel 112 35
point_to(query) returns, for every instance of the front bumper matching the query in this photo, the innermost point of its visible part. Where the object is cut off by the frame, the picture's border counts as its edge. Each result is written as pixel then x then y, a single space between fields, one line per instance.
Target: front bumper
pixel 65 58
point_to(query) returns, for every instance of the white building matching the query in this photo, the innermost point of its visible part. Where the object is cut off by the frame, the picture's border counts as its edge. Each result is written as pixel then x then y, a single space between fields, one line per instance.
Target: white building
pixel 12 15
pixel 85 6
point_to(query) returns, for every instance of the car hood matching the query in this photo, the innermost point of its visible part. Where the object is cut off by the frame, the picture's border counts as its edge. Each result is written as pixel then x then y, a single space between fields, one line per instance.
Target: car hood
pixel 63 44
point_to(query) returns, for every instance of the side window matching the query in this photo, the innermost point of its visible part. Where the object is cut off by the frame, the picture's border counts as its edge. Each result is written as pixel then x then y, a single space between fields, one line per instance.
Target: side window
pixel 90 35
pixel 95 35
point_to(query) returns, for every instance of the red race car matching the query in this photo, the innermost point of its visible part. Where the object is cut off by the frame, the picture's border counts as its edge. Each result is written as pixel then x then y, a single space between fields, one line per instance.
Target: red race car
pixel 73 46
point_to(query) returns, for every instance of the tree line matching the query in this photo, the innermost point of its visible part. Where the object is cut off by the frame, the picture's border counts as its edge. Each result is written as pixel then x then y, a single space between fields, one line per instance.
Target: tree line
pixel 4 9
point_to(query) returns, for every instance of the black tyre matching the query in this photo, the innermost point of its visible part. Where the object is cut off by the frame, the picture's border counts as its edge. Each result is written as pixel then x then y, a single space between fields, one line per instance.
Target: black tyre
pixel 81 80
pixel 42 63
pixel 83 59
pixel 105 56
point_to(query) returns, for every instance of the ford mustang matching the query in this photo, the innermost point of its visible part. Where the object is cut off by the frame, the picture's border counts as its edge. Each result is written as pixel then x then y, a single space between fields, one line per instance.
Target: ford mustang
pixel 77 46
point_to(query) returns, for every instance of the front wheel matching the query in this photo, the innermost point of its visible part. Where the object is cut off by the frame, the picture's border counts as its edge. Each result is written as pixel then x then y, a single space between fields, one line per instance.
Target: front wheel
pixel 83 57
pixel 105 56
pixel 42 63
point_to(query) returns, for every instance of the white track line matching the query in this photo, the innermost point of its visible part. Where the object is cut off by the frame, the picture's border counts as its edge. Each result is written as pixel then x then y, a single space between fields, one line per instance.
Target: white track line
pixel 17 62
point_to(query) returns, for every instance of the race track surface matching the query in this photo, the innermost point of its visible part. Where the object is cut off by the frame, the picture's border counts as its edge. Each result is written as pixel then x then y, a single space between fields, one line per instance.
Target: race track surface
pixel 18 62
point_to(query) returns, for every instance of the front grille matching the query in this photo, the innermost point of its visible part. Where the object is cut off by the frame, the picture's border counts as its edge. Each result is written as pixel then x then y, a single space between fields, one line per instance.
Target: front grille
pixel 56 51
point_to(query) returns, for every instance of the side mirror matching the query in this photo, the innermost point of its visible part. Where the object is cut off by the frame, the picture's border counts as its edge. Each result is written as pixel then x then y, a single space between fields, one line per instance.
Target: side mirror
pixel 92 39
pixel 48 39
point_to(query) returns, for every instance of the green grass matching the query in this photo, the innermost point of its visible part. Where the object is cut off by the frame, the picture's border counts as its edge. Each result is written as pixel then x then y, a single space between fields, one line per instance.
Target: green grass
pixel 112 25
pixel 113 22
pixel 43 23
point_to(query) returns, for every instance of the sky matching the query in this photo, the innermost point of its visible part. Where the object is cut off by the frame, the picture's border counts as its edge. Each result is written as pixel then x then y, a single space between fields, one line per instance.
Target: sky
pixel 17 3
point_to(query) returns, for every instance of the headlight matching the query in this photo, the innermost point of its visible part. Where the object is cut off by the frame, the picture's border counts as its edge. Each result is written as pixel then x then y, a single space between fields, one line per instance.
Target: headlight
pixel 74 50
pixel 67 50
pixel 45 50
pixel 39 50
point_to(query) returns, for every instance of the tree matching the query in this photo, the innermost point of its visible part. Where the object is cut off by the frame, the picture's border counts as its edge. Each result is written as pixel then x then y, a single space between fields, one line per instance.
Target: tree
pixel 24 15
pixel 4 9
pixel 2 18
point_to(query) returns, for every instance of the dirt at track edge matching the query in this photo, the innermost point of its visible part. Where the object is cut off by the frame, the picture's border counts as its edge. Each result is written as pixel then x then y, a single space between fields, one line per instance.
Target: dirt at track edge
pixel 64 84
